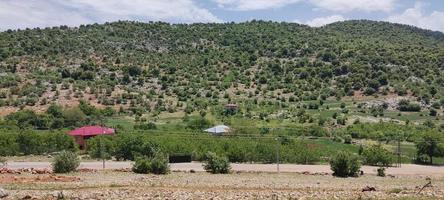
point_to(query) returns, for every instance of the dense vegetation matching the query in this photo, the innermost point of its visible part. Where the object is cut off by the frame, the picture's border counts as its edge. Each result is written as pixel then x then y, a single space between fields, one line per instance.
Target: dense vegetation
pixel 160 67
pixel 309 91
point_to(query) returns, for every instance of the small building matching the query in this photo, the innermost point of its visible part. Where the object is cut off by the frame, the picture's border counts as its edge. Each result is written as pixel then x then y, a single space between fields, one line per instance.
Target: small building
pixel 83 133
pixel 218 130
pixel 231 107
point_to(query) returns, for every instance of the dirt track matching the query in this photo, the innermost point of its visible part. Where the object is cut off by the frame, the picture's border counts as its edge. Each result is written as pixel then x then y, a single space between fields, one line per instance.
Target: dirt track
pixel 406 169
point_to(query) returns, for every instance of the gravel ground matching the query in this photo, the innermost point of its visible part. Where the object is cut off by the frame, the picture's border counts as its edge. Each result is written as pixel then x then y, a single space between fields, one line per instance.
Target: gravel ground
pixel 240 185
pixel 406 169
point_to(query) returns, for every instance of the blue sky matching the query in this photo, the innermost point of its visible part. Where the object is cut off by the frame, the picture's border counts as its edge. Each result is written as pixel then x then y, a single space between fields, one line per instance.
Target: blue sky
pixel 21 14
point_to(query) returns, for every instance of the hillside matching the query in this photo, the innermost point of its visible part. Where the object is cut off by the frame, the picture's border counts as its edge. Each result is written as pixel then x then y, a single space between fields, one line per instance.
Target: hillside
pixel 160 67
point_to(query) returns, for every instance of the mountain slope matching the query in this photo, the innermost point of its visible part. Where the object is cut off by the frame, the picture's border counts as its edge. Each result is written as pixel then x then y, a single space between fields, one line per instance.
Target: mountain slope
pixel 158 66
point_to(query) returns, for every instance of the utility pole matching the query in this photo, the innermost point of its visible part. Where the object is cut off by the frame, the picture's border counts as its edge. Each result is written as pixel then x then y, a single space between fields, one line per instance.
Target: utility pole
pixel 278 144
pixel 102 152
pixel 399 151
pixel 102 147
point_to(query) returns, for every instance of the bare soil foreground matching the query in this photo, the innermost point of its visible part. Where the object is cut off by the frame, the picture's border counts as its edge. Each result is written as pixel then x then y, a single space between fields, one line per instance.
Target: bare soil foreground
pixel 304 182
pixel 406 169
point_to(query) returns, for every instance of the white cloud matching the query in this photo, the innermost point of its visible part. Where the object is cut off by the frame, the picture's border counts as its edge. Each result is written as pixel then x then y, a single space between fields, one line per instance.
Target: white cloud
pixel 321 21
pixel 415 16
pixel 332 5
pixel 42 13
pixel 351 5
pixel 245 5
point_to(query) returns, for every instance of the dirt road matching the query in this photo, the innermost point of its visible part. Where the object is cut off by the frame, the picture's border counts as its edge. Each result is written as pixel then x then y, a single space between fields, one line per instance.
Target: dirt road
pixel 406 169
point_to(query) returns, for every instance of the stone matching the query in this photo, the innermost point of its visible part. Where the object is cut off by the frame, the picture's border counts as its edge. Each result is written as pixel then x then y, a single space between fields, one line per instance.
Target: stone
pixel 368 189
pixel 3 193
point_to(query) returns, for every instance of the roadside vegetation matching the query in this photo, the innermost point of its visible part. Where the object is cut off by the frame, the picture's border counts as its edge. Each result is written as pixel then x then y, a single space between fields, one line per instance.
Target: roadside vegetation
pixel 65 162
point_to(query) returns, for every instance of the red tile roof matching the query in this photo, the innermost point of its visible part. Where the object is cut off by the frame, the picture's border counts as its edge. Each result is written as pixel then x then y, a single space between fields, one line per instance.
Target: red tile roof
pixel 92 130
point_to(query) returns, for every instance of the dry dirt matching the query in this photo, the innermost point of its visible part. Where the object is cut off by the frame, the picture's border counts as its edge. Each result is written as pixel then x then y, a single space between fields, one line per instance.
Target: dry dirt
pixel 110 184
pixel 406 169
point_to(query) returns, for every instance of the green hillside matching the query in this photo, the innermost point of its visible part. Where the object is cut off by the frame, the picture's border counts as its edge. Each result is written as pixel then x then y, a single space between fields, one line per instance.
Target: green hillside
pixel 159 67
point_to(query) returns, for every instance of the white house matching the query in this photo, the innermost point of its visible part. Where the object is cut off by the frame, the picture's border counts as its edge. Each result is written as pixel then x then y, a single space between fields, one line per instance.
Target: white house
pixel 219 130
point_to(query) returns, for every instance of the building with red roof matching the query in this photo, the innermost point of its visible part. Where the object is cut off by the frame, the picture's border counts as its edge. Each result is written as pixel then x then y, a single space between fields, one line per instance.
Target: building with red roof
pixel 83 133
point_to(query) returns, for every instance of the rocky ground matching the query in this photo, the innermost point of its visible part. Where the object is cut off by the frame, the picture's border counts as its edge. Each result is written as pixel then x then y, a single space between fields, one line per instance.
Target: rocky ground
pixel 113 184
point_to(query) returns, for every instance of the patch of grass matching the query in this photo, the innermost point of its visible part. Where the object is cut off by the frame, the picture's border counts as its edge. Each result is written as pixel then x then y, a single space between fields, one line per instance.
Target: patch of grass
pixel 113 185
pixel 395 191
pixel 125 123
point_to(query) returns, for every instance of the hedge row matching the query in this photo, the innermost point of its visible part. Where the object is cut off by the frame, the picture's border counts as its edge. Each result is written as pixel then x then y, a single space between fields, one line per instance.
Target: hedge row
pixel 29 142
pixel 238 149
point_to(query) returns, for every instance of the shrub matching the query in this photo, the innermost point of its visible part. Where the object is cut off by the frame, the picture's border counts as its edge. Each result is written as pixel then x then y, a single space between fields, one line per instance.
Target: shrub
pixel 405 105
pixel 142 165
pixel 8 144
pixel 156 165
pixel 130 146
pixel 65 162
pixel 347 139
pixel 198 123
pixel 159 164
pixel 145 126
pixel 216 164
pixel 345 164
pixel 3 161
pixel 381 172
pixel 377 155
pixel 433 112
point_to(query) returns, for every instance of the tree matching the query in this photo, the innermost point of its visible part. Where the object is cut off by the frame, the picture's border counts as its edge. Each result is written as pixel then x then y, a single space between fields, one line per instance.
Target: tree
pixel 101 147
pixel 345 164
pixel 377 155
pixel 430 144
pixel 73 117
pixel 87 108
pixel 198 123
pixel 55 111
pixel 23 118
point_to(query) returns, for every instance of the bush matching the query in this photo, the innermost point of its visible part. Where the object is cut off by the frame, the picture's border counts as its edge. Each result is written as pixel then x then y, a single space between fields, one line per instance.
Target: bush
pixel 378 156
pixel 8 144
pixel 216 164
pixel 3 161
pixel 347 139
pixel 433 112
pixel 146 126
pixel 159 164
pixel 198 123
pixel 142 165
pixel 381 172
pixel 65 162
pixel 130 146
pixel 345 164
pixel 156 165
pixel 406 106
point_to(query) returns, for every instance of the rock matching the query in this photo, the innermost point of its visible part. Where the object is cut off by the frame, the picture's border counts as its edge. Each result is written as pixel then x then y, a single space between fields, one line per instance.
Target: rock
pixel 368 189
pixel 3 193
